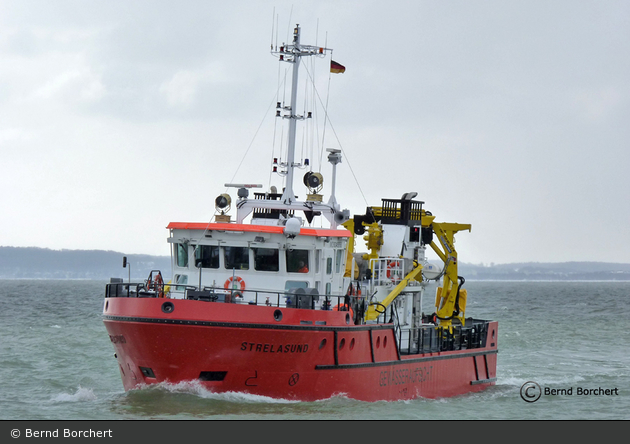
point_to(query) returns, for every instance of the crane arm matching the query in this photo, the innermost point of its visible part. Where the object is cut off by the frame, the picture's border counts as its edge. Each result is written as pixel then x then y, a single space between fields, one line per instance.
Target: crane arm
pixel 373 313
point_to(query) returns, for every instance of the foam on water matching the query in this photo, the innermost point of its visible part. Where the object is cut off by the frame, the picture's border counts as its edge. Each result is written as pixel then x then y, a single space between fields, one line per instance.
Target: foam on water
pixel 197 389
pixel 81 395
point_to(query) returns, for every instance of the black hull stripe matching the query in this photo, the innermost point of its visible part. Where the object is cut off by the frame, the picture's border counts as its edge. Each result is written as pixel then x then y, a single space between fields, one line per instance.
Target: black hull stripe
pixel 245 325
pixel 451 355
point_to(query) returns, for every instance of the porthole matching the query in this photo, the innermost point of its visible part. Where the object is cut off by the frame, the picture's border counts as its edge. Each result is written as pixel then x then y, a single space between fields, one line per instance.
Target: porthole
pixel 168 307
pixel 351 344
pixel 378 342
pixel 385 342
pixel 342 343
pixel 322 344
pixel 277 315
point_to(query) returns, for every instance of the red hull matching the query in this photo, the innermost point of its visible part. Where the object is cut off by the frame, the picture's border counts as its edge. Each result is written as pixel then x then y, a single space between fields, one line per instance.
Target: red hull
pixel 306 355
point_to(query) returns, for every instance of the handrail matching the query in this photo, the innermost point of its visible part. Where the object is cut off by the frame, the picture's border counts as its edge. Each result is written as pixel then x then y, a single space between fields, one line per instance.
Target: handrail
pixel 431 338
pixel 291 299
pixel 427 338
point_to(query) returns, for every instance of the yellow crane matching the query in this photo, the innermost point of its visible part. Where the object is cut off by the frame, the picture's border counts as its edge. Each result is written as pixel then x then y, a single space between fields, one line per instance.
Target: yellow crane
pixel 450 300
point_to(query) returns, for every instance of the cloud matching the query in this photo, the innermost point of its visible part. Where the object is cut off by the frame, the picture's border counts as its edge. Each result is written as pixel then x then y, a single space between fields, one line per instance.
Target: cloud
pixel 181 90
pixel 184 87
pixel 596 105
pixel 75 84
pixel 510 116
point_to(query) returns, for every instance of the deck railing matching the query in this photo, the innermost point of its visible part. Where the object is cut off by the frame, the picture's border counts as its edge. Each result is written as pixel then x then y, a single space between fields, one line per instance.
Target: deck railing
pixel 297 298
pixel 429 338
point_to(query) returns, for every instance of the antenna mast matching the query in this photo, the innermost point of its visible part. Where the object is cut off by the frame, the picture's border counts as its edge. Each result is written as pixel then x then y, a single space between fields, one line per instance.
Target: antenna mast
pixel 292 54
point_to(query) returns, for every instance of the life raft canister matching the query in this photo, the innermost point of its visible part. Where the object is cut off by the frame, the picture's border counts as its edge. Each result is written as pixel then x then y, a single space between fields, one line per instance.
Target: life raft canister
pixel 235 283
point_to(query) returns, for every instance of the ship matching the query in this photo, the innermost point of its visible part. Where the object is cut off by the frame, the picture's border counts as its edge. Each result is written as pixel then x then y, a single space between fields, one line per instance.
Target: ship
pixel 280 300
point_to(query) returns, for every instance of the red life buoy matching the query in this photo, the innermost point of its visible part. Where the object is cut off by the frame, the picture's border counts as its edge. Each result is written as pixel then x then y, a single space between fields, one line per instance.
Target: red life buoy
pixel 233 282
pixel 156 284
pixel 159 285
pixel 393 270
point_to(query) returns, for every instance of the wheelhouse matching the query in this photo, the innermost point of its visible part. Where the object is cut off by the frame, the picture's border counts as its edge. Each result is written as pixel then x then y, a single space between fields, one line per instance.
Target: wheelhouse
pixel 231 256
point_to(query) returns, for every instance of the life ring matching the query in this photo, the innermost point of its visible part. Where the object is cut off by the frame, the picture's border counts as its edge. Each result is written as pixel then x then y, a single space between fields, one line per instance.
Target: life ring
pixel 158 285
pixel 232 282
pixel 344 307
pixel 393 270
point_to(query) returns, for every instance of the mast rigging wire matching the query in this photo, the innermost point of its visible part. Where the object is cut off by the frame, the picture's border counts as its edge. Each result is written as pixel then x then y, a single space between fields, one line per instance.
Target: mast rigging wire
pixel 252 141
pixel 327 119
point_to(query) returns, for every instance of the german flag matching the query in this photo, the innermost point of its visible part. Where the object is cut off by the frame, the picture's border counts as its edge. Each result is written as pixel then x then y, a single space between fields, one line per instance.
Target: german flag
pixel 336 67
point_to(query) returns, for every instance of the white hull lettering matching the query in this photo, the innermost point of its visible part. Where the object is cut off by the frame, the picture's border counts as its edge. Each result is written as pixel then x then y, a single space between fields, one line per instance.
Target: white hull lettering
pixel 274 348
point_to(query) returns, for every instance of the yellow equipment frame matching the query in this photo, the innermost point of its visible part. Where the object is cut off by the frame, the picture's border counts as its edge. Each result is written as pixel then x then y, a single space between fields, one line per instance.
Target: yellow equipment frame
pixel 450 300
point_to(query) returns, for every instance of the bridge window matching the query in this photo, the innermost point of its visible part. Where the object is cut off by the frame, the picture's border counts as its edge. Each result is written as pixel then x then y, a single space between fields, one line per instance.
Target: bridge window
pixel 236 258
pixel 297 261
pixel 181 279
pixel 182 255
pixel 207 256
pixel 266 259
pixel 338 261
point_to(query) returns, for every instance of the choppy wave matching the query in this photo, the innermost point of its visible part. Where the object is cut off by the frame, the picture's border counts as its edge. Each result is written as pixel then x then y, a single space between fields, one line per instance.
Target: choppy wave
pixel 560 336
pixel 197 389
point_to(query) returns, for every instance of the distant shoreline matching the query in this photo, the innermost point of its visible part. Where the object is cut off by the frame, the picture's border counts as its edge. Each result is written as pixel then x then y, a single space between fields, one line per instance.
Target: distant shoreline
pixel 46 264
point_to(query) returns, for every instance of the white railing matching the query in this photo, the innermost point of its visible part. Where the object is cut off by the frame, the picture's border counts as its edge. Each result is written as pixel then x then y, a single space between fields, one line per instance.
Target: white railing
pixel 387 270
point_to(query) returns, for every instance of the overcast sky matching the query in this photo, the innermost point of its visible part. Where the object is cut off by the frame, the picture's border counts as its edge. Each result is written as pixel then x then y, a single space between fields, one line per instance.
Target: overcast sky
pixel 118 117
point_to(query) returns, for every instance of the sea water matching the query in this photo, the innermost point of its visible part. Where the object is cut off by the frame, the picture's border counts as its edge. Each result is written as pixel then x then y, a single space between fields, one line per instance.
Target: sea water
pixel 57 362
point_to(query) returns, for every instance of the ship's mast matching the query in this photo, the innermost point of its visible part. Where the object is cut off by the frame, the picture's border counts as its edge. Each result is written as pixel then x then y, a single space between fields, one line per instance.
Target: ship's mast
pixel 292 54
pixel 288 196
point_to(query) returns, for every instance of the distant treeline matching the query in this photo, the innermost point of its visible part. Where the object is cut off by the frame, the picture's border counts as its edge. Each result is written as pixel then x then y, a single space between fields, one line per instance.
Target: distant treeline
pixel 43 263
pixel 548 271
